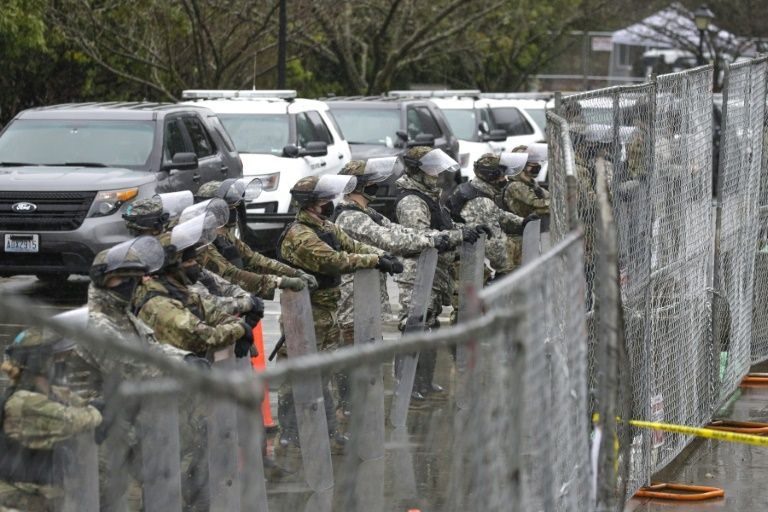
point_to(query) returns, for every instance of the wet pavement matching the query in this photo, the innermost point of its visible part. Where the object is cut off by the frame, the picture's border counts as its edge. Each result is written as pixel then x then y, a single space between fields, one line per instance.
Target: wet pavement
pixel 741 470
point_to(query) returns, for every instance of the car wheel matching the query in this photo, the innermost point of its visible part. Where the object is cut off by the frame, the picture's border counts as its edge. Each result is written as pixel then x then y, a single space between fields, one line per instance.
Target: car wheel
pixel 52 278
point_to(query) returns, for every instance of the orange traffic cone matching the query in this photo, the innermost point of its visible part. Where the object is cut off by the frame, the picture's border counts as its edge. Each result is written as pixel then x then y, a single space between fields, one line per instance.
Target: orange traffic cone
pixel 259 363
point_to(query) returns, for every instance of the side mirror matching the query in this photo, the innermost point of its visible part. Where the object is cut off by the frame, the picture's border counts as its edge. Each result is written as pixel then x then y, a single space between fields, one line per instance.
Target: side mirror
pixel 422 139
pixel 496 136
pixel 483 127
pixel 183 162
pixel 314 148
pixel 291 151
pixel 402 135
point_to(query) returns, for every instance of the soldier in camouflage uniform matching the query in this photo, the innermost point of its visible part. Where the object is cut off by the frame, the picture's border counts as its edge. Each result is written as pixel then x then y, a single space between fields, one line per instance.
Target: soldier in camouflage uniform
pixel 315 245
pixel 234 260
pixel 477 201
pixel 366 225
pixel 524 197
pixel 155 215
pixel 178 316
pixel 34 417
pixel 418 207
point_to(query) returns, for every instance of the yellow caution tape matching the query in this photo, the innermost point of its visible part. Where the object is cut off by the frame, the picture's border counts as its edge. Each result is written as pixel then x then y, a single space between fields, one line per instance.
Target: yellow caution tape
pixel 707 433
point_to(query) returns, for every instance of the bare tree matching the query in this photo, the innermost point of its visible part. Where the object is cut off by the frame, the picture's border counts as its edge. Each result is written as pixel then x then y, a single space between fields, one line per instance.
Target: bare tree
pixel 170 45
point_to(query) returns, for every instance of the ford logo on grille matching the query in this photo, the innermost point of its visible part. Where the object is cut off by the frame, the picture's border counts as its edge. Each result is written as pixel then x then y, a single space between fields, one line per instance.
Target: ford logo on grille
pixel 24 207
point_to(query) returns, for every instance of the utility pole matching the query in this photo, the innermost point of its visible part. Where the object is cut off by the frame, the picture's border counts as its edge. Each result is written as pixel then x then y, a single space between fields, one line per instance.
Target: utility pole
pixel 281 45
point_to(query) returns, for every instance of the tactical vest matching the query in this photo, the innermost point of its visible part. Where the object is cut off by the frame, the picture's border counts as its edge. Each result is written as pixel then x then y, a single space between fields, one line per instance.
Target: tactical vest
pixel 373 214
pixel 173 293
pixel 19 463
pixel 324 281
pixel 229 250
pixel 439 216
pixel 463 194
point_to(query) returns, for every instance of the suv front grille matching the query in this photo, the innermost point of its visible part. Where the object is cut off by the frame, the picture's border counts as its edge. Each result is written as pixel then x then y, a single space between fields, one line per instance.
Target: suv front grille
pixel 56 211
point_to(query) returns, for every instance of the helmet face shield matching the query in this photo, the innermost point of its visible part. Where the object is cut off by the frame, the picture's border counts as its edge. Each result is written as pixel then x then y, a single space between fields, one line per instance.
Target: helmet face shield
pixel 332 187
pixel 144 254
pixel 175 202
pixel 378 170
pixel 253 188
pixel 512 164
pixel 538 153
pixel 216 207
pixel 198 232
pixel 436 162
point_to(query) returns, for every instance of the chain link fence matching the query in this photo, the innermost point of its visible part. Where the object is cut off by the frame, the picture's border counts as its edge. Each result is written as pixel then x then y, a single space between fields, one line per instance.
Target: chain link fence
pixel 738 187
pixel 652 143
pixel 760 303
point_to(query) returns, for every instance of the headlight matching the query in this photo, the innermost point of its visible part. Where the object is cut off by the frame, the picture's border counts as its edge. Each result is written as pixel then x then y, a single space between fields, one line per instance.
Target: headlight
pixel 108 202
pixel 269 182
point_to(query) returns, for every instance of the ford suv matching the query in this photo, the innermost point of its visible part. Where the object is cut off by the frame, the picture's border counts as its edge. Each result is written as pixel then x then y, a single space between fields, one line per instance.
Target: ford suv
pixel 281 139
pixel 68 172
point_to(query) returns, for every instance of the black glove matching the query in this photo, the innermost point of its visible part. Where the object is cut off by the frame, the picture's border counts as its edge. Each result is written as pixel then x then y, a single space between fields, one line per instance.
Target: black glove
pixel 530 218
pixel 244 345
pixel 254 316
pixel 484 228
pixel 469 235
pixel 389 264
pixel 98 404
pixel 200 363
pixel 442 243
pixel 538 191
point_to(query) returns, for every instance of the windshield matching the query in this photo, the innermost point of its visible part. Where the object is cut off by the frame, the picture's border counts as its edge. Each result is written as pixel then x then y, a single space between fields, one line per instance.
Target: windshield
pixel 539 116
pixel 111 143
pixel 258 133
pixel 369 126
pixel 463 122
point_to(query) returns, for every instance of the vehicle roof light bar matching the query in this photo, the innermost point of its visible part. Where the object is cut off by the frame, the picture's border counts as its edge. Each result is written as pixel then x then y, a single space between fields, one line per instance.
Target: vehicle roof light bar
pixel 518 95
pixel 445 93
pixel 209 94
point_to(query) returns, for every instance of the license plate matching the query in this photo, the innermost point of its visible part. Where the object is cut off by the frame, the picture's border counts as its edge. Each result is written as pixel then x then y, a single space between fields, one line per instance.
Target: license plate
pixel 22 243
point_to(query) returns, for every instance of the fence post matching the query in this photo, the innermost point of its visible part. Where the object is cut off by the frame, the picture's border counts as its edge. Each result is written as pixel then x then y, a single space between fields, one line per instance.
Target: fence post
pixel 308 400
pixel 223 480
pixel 531 241
pixel 417 312
pixel 250 435
pixel 76 460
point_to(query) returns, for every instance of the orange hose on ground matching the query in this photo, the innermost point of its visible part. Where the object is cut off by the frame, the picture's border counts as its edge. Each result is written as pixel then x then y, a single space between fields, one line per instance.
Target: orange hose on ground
pixel 753 380
pixel 742 427
pixel 687 492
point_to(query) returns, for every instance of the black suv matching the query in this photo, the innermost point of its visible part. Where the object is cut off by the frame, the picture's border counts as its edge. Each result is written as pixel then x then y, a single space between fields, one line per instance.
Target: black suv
pixel 376 126
pixel 67 173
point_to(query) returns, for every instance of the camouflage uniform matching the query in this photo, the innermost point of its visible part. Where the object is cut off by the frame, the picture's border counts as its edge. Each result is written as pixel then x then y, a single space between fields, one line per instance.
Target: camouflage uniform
pixel 228 298
pixel 32 423
pixel 301 246
pixel 484 209
pixel 183 319
pixel 263 285
pixel 370 227
pixel 519 197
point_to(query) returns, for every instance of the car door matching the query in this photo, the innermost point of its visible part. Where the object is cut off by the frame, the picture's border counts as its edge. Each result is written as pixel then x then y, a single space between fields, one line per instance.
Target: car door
pixel 336 157
pixel 222 140
pixel 175 140
pixel 519 130
pixel 305 133
pixel 210 166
